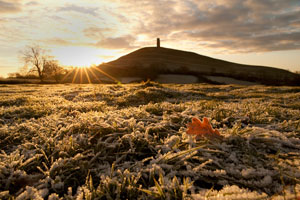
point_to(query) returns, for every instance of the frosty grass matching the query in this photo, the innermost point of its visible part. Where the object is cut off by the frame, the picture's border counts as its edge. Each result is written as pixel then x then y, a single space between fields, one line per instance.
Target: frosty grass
pixel 129 142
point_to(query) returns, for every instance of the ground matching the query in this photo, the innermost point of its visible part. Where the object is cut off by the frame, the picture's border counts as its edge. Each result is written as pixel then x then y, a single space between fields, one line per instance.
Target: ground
pixel 129 141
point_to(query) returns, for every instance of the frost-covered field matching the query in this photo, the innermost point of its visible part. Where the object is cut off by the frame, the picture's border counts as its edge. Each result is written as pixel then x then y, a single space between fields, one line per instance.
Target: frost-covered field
pixel 130 141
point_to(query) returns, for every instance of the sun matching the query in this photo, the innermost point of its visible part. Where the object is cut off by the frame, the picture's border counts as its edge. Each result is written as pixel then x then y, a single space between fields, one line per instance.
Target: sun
pixel 83 61
pixel 78 74
pixel 80 56
pixel 86 74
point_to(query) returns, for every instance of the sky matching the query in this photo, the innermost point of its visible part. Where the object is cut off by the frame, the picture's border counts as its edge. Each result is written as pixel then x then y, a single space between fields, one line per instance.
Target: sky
pixel 86 32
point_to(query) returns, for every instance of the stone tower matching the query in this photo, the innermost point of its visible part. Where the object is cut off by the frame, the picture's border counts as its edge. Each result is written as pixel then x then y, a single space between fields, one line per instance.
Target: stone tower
pixel 158 43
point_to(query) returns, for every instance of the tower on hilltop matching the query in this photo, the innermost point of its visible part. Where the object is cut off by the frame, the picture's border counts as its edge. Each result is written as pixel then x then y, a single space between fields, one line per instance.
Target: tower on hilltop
pixel 158 43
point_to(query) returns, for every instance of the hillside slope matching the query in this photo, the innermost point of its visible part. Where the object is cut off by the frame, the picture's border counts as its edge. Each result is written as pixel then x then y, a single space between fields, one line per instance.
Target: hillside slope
pixel 149 62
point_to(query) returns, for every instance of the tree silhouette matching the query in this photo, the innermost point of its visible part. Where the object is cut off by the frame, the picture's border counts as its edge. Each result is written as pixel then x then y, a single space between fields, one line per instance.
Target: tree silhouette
pixel 42 64
pixel 36 58
pixel 52 69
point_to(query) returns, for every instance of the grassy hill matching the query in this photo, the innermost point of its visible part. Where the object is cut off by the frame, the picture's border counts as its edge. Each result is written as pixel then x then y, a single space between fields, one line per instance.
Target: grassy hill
pixel 149 62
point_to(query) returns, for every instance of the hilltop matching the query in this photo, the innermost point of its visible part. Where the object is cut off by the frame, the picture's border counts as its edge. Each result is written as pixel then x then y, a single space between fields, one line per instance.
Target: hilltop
pixel 151 62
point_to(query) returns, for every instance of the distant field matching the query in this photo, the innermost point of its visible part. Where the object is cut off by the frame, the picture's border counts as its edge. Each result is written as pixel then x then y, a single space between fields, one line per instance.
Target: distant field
pixel 228 80
pixel 19 81
pixel 130 142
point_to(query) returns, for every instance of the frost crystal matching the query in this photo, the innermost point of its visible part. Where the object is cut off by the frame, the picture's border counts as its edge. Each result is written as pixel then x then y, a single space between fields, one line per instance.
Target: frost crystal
pixel 131 142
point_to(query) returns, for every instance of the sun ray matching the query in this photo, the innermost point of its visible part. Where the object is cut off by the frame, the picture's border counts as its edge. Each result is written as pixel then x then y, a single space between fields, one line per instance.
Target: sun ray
pixel 80 71
pixel 106 74
pixel 87 75
pixel 66 75
pixel 94 75
pixel 75 75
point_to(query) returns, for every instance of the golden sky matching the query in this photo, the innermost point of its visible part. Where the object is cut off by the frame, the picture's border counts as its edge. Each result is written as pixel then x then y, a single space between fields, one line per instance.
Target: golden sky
pixel 85 32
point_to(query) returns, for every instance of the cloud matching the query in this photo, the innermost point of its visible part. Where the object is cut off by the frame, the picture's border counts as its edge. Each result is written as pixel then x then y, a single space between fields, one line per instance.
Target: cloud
pixel 2 21
pixel 32 3
pixel 79 9
pixel 57 41
pixel 96 32
pixel 236 25
pixel 9 6
pixel 123 42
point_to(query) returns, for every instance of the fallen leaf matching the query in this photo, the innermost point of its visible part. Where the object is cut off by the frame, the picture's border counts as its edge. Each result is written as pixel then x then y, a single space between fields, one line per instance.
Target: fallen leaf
pixel 199 128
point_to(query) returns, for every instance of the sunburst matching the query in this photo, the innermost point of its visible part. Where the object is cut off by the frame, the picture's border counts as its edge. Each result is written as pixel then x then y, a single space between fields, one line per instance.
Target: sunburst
pixel 94 75
pixel 82 73
pixel 106 74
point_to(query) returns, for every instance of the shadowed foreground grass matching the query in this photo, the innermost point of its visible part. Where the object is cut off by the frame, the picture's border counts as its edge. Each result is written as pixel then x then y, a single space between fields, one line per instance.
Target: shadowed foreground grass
pixel 129 141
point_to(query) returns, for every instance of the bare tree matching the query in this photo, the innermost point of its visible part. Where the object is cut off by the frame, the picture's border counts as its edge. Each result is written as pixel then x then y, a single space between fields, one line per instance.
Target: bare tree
pixel 36 58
